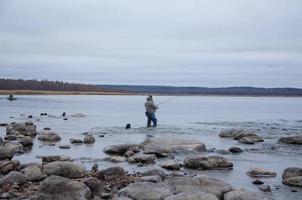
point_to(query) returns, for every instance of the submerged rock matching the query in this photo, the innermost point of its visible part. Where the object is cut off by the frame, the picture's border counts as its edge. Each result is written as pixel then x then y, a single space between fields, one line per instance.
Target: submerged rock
pixel 60 188
pixel 78 115
pixel 248 138
pixel 15 147
pixel 64 168
pixel 114 159
pixel 7 166
pixel 89 139
pixel 261 173
pixel 235 150
pixel 26 141
pixel 141 158
pixel 245 195
pixel 230 133
pixel 26 129
pixel 291 140
pixel 145 190
pixel 75 141
pixel 48 159
pixel 292 176
pixel 207 163
pixel 49 136
pixel 121 149
pixel 171 165
pixel 66 146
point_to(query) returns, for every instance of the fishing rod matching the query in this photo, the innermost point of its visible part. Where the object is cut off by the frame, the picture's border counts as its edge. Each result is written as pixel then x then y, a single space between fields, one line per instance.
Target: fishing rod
pixel 167 100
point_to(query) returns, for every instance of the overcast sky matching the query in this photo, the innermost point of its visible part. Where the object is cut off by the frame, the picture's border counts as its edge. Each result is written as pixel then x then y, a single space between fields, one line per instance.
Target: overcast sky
pixel 156 42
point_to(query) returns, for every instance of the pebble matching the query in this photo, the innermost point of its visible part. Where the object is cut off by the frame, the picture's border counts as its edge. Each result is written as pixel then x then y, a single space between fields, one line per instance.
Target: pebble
pixel 257 182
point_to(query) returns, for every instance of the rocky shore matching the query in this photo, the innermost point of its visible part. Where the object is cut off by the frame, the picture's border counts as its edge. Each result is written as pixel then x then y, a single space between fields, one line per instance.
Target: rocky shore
pixel 60 177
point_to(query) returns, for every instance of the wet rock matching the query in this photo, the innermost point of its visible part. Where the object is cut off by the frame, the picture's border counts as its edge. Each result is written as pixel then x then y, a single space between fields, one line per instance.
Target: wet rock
pixel 64 168
pixel 48 159
pixel 222 151
pixel 75 141
pixel 95 186
pixel 156 171
pixel 78 115
pixel 15 147
pixel 25 165
pixel 207 163
pixel 121 149
pixel 13 178
pixel 3 124
pixel 61 188
pixel 291 140
pixel 265 188
pixel 89 139
pixel 26 129
pixel 142 158
pixel 261 173
pixel 7 166
pixel 128 126
pixel 145 190
pixel 192 196
pixel 293 181
pixel 128 154
pixel 10 137
pixel 257 182
pixel 245 195
pixel 46 129
pixel 114 172
pixel 291 172
pixel 32 173
pixel 235 150
pixel 171 165
pixel 164 146
pixel 49 136
pixel 153 179
pixel 26 141
pixel 115 159
pixel 101 135
pixel 230 133
pixel 66 146
pixel 95 167
pixel 248 138
pixel 6 153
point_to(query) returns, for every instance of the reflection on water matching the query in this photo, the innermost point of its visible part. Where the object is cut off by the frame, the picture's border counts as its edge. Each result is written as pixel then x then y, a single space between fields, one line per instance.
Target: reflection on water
pixel 199 118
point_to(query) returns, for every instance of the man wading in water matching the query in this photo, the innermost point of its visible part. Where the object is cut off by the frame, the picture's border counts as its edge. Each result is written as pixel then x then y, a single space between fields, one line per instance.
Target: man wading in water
pixel 150 111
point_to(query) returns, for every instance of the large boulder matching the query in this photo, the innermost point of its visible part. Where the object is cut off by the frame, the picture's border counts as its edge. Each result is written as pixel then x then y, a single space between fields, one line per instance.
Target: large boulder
pixel 230 133
pixel 121 149
pixel 26 141
pixel 171 165
pixel 192 196
pixel 198 184
pixel 207 163
pixel 291 140
pixel 13 178
pixel 248 138
pixel 141 158
pixel 292 176
pixel 163 146
pixel 49 136
pixel 7 166
pixel 95 185
pixel 89 139
pixel 60 188
pixel 6 153
pixel 245 195
pixel 145 190
pixel 15 147
pixel 261 173
pixel 26 129
pixel 155 171
pixel 65 169
pixel 32 173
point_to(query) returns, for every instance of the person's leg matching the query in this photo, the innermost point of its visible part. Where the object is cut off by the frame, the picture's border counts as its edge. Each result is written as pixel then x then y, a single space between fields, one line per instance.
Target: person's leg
pixel 148 120
pixel 154 120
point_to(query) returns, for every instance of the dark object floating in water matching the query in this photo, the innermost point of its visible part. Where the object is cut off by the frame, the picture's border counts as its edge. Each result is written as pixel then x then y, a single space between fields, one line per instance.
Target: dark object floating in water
pixel 30 116
pixel 65 119
pixel 64 114
pixel 11 97
pixel 128 126
pixel 42 114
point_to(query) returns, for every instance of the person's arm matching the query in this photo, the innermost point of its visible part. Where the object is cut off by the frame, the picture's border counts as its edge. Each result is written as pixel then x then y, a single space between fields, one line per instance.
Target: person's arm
pixel 154 106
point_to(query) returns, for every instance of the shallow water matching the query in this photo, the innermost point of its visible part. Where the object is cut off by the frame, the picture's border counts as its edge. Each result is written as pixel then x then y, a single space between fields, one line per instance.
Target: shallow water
pixel 200 118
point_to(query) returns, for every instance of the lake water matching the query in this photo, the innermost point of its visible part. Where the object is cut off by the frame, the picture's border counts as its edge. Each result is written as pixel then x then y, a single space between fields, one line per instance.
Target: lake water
pixel 198 117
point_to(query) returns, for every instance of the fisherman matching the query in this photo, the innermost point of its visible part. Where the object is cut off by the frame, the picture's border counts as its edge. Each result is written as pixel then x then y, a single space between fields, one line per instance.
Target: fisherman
pixel 150 111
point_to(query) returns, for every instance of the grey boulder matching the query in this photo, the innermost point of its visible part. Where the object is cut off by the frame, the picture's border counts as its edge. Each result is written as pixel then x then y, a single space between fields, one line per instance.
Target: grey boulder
pixel 6 153
pixel 7 166
pixel 192 196
pixel 64 168
pixel 121 149
pixel 49 136
pixel 245 195
pixel 13 178
pixel 207 163
pixel 26 129
pixel 291 140
pixel 89 139
pixel 261 173
pixel 292 176
pixel 32 173
pixel 61 188
pixel 142 158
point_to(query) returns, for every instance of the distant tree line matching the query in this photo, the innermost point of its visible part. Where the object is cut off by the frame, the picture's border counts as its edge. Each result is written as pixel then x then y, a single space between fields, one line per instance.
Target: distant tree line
pixel 20 84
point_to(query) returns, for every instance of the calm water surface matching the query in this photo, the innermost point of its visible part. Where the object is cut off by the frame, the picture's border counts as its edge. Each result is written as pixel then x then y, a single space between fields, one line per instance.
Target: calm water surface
pixel 200 118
